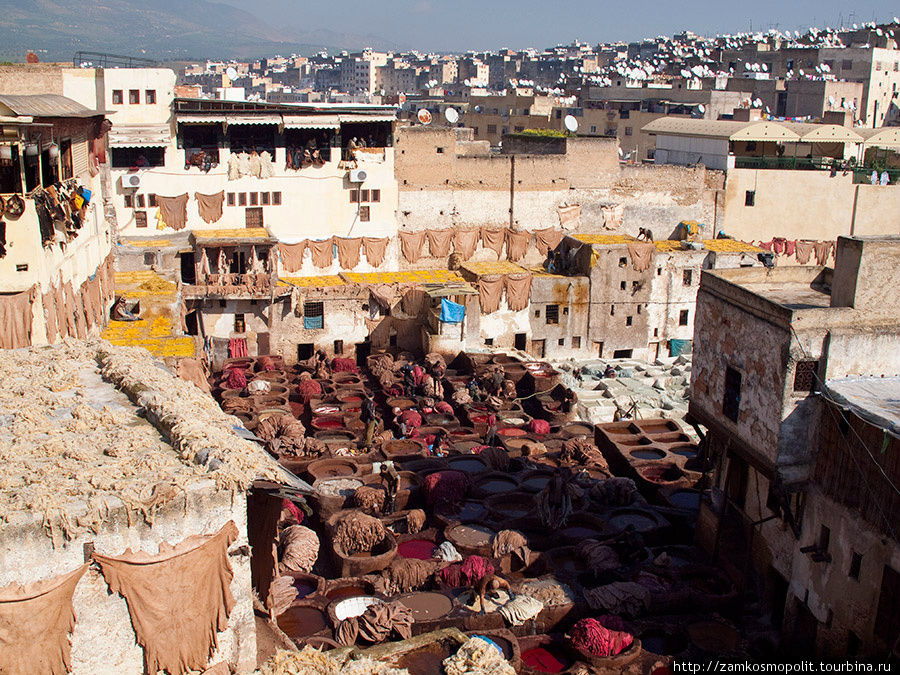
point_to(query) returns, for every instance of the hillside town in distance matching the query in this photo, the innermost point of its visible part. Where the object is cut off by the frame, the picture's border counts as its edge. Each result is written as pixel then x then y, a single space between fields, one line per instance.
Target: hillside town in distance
pixel 579 360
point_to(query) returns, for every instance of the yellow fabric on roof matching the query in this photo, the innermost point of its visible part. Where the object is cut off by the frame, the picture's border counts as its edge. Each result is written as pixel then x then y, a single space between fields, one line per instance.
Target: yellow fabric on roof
pixel 148 242
pixel 603 239
pixel 242 233
pixel 309 282
pixel 494 267
pixel 541 272
pixel 408 277
pixel 731 246
pixel 666 245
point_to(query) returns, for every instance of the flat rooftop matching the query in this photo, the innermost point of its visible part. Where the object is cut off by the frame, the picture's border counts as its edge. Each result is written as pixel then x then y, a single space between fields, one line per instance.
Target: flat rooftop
pixel 77 441
pixel 792 288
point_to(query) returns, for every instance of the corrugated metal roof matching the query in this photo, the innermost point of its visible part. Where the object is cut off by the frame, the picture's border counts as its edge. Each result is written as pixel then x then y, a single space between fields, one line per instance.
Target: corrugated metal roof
pixel 764 131
pixel 885 137
pixel 685 126
pixel 140 136
pixel 823 133
pixel 46 105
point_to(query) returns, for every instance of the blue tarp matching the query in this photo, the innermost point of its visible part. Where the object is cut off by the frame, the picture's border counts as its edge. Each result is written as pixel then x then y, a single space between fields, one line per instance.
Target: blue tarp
pixel 452 312
pixel 679 347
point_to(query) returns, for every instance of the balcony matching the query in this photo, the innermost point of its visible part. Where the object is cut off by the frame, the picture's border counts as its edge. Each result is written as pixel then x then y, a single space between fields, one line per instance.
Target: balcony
pixel 237 286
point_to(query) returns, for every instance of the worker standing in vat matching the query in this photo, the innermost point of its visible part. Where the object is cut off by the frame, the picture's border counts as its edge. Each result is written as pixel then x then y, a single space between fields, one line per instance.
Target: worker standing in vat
pixel 370 417
pixel 474 391
pixel 490 438
pixel 391 480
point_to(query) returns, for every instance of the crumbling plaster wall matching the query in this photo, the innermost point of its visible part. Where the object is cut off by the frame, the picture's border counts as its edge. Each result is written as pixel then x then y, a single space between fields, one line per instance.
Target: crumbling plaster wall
pixel 103 640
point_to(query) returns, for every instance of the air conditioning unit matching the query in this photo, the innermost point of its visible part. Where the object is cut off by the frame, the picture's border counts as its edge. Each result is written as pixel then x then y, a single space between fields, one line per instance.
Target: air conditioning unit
pixel 132 181
pixel 358 175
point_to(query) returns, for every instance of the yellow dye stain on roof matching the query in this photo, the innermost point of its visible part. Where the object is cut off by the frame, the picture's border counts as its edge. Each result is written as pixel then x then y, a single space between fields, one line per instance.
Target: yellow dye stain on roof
pixel 310 282
pixel 604 239
pixel 541 272
pixel 666 245
pixel 148 242
pixel 716 245
pixel 493 267
pixel 239 233
pixel 409 277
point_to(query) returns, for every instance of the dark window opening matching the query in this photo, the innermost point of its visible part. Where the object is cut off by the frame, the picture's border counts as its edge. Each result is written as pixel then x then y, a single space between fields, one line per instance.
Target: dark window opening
pixel 612 310
pixel 32 171
pixel 687 277
pixel 264 198
pixel 49 169
pixel 561 342
pixel 551 314
pixel 488 342
pixel 375 134
pixel 623 285
pixel 887 620
pixel 731 401
pixel 22 267
pixel 805 376
pixel 65 159
pixel 537 314
pixel 200 138
pixel 140 219
pixel 683 317
pixel 10 176
pixel 338 347
pixel 141 201
pixel 313 315
pixel 249 137
pixel 117 97
pixel 134 96
pixel 824 538
pixel 150 96
pixel 305 351
pixel 855 566
pixel 253 216
pixel 576 342
pixel 239 325
pixel 192 323
pixel 628 320
pixel 129 201
pixel 622 353
pixel 519 341
pixel 623 262
pixel 151 200
pixel 254 199
pixel 308 147
pixel 188 269
pixel 242 199
pixel 149 258
pixel 750 198
pixel 230 199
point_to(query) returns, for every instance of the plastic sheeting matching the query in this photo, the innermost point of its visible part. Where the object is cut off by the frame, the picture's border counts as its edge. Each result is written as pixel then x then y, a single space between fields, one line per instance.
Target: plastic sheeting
pixel 452 312
pixel 873 399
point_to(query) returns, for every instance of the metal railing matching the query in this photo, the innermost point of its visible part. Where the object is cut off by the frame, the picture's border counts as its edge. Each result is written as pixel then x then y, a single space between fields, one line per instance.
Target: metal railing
pixel 791 163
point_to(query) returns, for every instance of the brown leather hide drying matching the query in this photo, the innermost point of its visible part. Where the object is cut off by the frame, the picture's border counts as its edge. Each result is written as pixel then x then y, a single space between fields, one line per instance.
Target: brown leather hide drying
pixel 375 249
pixel 348 251
pixel 173 210
pixel 35 622
pixel 411 245
pixel 15 318
pixel 465 242
pixel 178 599
pixel 518 291
pixel 322 252
pixel 517 244
pixel 49 300
pixel 490 290
pixel 292 255
pixel 439 242
pixel 209 206
pixel 547 239
pixel 641 255
pixel 493 239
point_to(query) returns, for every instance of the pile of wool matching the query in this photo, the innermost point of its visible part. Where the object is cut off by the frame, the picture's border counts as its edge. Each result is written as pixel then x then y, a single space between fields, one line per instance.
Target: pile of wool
pixel 407 574
pixel 477 657
pixel 235 378
pixel 282 592
pixel 370 499
pixel 467 573
pixel 299 547
pixel 520 609
pixel 343 365
pixel 358 533
pixel 415 521
pixel 308 390
pixel 536 426
pixel 283 434
pixel 310 661
pixel 592 637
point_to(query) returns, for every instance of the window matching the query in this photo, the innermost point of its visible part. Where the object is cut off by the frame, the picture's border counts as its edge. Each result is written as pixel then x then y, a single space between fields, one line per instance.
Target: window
pixel 134 96
pixel 623 262
pixel 150 96
pixel 628 320
pixel 824 538
pixel 639 309
pixel 846 64
pixel 140 219
pixel 687 277
pixel 440 151
pixel 141 201
pixel 593 128
pixel 239 326
pixel 242 199
pixel 683 317
pixel 551 314
pixel 488 342
pixel 622 353
pixel 364 214
pixel 612 310
pixel 338 347
pixel 22 267
pixel 129 201
pixel 537 314
pixel 492 128
pixel 313 315
pixel 354 196
pixel 276 199
pixel 576 342
pixel 375 196
pixel 623 285
pixel 364 196
pixel 253 217
pixel 230 199
pixel 855 565
pixel 731 401
pixel 254 199
pixel 264 198
pixel 149 258
pixel 117 97
pixel 656 332
pixel 750 198
pixel 151 201
pixel 805 376
pixel 628 131
pixel 137 158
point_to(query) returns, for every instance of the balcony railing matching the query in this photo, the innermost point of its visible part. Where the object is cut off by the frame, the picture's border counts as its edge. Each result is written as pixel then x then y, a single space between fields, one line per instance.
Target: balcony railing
pixel 253 284
pixel 791 163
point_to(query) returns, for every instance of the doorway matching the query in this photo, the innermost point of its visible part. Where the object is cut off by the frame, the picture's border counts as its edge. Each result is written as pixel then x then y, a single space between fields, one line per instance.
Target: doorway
pixel 305 350
pixel 520 341
pixel 537 348
pixel 188 271
pixel 599 346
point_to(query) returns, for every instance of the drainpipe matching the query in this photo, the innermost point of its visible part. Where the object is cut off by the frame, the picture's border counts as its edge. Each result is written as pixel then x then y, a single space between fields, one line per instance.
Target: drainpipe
pixel 853 213
pixel 512 189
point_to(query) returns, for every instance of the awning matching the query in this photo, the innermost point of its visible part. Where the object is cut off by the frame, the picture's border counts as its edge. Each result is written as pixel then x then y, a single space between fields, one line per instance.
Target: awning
pixel 140 136
pixel 311 122
pixel 193 118
pixel 236 120
pixel 765 131
pixel 885 137
pixel 365 118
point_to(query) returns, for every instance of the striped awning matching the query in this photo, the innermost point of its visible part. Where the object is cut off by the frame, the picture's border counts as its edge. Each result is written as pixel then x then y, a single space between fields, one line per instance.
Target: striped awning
pixel 140 136
pixel 311 122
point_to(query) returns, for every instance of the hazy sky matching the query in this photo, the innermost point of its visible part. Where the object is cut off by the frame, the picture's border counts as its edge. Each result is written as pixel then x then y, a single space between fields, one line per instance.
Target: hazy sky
pixel 459 25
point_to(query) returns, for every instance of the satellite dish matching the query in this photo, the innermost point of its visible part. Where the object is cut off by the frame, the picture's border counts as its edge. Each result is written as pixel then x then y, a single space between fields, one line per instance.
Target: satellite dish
pixel 621 154
pixel 451 115
pixel 232 73
pixel 571 124
pixel 701 108
pixel 424 116
pixel 831 101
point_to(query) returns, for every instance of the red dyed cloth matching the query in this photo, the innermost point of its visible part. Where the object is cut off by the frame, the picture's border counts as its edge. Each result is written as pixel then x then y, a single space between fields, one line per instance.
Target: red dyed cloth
pixel 492 420
pixel 539 427
pixel 592 637
pixel 235 378
pixel 411 418
pixel 308 389
pixel 342 365
pixel 475 568
pixel 443 407
pixel 237 348
pixel 265 364
pixel 293 508
pixel 452 575
pixel 543 661
pixel 445 487
pixel 478 449
pixel 418 374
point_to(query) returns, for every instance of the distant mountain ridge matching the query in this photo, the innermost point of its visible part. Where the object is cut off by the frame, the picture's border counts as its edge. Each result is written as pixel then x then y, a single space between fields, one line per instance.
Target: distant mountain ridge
pixel 163 30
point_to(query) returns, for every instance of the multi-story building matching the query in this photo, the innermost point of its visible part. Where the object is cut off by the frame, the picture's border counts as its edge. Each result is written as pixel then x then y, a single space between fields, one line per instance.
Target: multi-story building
pixel 774 350
pixel 359 72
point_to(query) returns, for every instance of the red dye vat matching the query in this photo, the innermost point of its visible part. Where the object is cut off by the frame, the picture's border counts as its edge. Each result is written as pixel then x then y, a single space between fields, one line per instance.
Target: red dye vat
pixel 479 418
pixel 420 549
pixel 329 423
pixel 351 399
pixel 512 431
pixel 541 660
